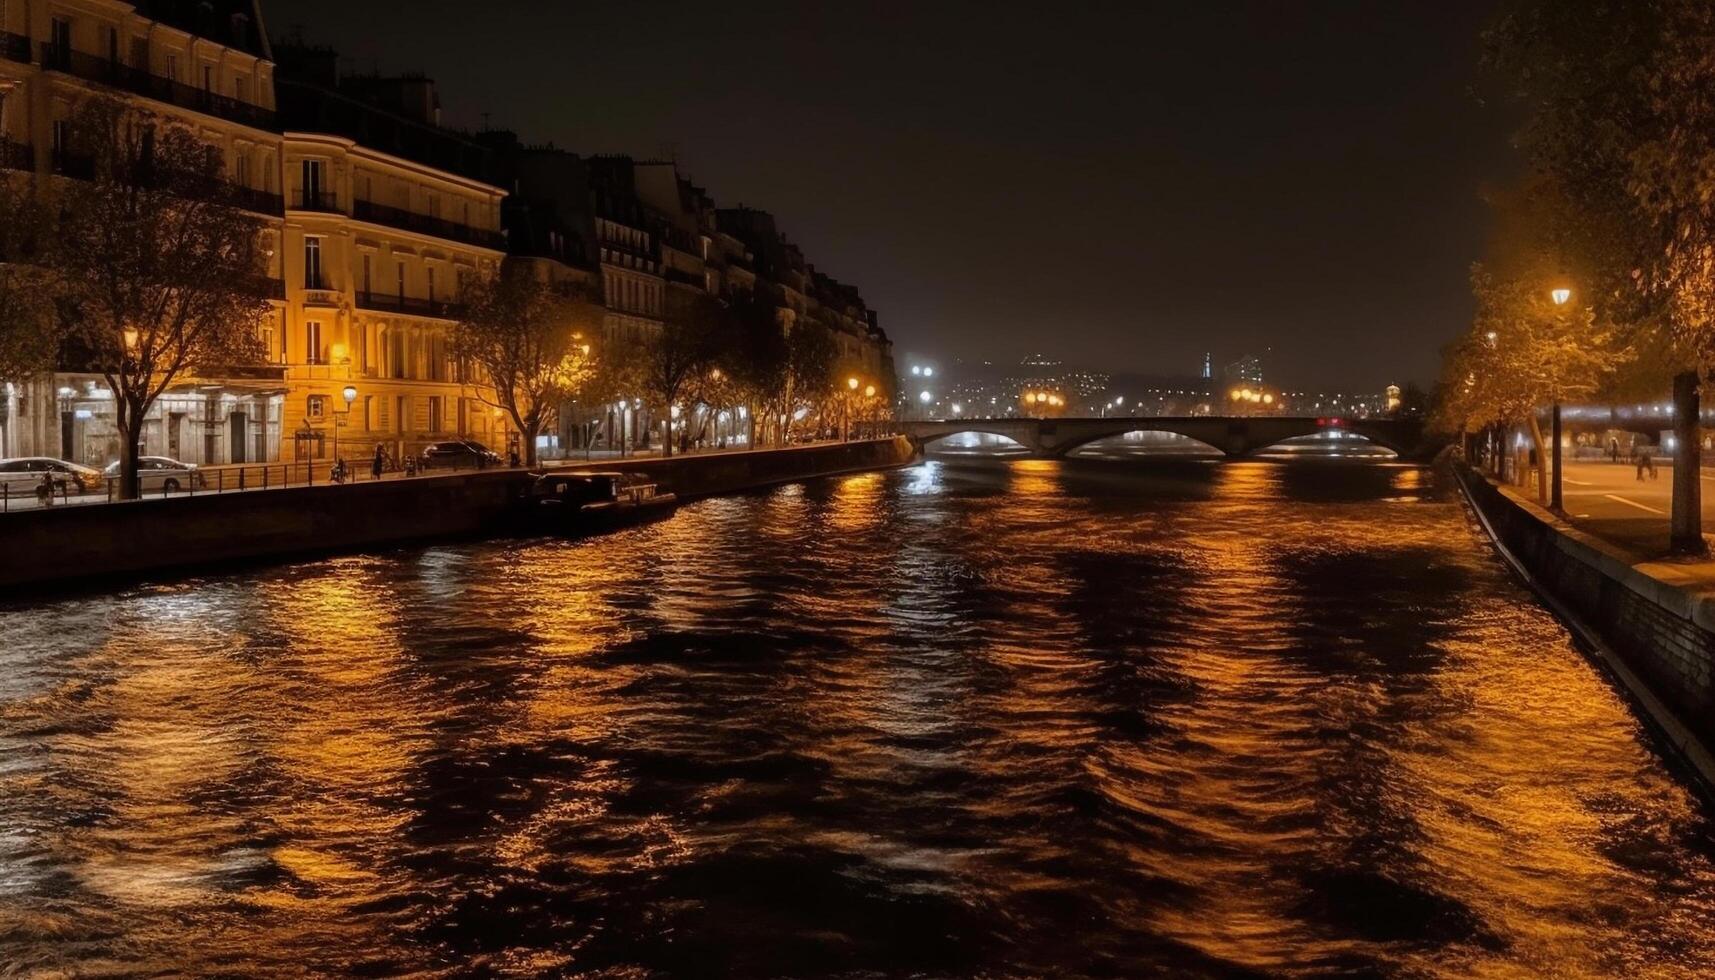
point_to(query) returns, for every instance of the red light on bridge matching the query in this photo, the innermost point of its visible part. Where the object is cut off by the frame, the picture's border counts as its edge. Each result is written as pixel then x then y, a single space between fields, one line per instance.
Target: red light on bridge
pixel 1331 423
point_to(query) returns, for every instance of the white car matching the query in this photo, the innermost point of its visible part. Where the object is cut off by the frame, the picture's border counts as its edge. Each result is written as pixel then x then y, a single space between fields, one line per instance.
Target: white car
pixel 23 475
pixel 161 474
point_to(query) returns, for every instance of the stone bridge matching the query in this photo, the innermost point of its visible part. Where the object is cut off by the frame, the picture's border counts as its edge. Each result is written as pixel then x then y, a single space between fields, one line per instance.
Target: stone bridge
pixel 1233 435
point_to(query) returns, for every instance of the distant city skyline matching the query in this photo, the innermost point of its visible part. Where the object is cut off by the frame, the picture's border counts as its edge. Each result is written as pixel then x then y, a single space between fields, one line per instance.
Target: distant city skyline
pixel 1229 176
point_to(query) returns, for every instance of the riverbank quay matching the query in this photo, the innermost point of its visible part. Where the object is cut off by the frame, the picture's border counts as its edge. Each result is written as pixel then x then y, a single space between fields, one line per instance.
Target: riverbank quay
pixel 712 474
pixel 1651 624
pixel 65 545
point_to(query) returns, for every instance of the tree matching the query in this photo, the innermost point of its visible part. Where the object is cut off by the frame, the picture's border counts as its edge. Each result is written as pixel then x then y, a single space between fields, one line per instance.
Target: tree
pixel 1618 134
pixel 164 275
pixel 810 357
pixel 27 287
pixel 671 359
pixel 754 355
pixel 1523 352
pixel 532 342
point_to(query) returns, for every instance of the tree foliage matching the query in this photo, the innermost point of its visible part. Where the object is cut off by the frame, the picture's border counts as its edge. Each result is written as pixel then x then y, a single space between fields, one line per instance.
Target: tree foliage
pixel 27 286
pixel 1523 352
pixel 533 343
pixel 163 276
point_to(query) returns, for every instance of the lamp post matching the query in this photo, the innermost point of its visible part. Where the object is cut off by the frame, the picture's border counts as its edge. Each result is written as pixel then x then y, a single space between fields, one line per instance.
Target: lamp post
pixel 339 419
pixel 846 405
pixel 1556 500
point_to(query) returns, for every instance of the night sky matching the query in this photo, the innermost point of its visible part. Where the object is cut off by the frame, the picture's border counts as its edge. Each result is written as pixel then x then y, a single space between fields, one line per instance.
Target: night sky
pixel 1122 185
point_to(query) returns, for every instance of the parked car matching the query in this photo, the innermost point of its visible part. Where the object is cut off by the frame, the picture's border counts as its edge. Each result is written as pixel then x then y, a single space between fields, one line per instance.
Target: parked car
pixel 24 474
pixel 161 474
pixel 457 454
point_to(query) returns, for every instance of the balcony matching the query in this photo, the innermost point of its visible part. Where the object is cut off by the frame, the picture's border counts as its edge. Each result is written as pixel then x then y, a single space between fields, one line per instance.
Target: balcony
pixel 95 68
pixel 382 303
pixel 326 202
pixel 681 276
pixel 17 156
pixel 250 199
pixel 423 224
pixel 14 47
pixel 69 163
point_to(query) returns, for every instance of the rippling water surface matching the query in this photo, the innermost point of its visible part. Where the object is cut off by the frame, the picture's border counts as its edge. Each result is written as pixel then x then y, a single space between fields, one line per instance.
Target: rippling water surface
pixel 991 719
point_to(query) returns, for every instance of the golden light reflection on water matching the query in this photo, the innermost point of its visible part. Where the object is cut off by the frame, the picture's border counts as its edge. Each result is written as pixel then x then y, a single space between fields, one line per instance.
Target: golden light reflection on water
pixel 1039 718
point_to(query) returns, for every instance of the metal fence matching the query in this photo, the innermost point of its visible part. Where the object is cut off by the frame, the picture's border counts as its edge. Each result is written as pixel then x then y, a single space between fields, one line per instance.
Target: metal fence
pixel 206 480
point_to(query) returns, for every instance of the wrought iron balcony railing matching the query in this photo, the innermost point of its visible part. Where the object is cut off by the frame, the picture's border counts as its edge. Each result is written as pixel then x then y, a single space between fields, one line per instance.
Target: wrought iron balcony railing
pixel 14 47
pixel 392 217
pixel 106 71
pixel 385 303
pixel 325 201
pixel 250 199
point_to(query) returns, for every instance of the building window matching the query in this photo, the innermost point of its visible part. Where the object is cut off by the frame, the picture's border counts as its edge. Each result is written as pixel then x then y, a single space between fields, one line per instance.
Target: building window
pixel 208 78
pixel 312 262
pixel 369 413
pixel 401 408
pixel 313 342
pixel 241 89
pixel 61 137
pixel 172 66
pixel 401 271
pixel 367 263
pixel 60 32
pixel 312 183
pixel 316 407
pixel 431 271
pixel 434 413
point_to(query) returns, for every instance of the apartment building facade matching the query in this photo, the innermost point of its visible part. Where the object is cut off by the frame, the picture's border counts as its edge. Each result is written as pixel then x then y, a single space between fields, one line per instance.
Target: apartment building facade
pixel 205 67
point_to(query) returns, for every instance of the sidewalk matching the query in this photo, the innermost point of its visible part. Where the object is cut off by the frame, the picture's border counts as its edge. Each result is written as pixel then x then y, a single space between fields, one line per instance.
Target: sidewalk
pixel 1608 500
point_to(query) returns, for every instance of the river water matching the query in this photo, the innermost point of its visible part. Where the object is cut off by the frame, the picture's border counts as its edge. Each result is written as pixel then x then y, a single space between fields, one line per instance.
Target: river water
pixel 992 719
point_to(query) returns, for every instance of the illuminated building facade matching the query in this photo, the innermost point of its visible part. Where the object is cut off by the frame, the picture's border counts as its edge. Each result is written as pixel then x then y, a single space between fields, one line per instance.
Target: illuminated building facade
pixel 207 67
pixel 386 214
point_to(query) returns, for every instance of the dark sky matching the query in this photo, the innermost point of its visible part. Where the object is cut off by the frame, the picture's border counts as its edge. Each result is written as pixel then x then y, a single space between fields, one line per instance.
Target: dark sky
pixel 1123 185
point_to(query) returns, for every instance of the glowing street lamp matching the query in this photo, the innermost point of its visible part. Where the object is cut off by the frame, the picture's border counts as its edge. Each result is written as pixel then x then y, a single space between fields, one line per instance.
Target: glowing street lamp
pixel 1556 500
pixel 350 395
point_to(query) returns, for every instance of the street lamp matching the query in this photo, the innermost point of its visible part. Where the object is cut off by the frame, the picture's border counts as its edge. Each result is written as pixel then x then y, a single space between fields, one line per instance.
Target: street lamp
pixel 339 419
pixel 1556 498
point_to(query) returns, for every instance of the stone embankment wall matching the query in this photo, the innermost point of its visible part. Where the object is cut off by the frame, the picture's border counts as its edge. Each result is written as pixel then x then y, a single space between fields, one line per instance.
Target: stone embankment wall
pixel 716 473
pixel 159 533
pixel 62 544
pixel 1655 618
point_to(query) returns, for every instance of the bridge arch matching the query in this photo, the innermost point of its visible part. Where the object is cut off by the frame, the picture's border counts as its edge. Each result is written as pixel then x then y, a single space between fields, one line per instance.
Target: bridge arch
pixel 1330 438
pixel 1169 443
pixel 1011 434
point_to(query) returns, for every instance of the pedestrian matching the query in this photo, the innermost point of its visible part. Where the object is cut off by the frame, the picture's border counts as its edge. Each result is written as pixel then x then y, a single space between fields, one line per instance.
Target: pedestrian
pixel 512 458
pixel 1613 449
pixel 45 490
pixel 1641 458
pixel 379 463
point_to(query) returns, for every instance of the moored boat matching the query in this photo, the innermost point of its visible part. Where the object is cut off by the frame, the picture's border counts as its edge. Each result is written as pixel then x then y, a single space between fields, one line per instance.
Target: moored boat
pixel 582 503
